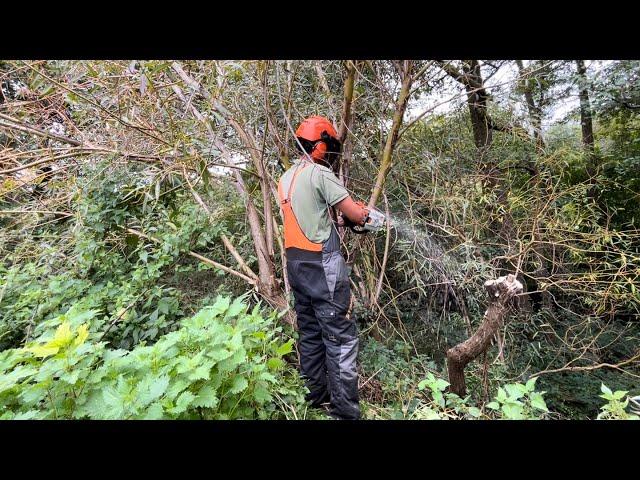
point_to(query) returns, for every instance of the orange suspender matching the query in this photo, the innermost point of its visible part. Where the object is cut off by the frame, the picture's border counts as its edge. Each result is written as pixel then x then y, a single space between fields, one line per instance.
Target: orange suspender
pixel 293 234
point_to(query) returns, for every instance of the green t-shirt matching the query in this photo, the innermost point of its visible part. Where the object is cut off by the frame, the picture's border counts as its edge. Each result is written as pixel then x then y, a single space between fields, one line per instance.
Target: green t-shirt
pixel 316 189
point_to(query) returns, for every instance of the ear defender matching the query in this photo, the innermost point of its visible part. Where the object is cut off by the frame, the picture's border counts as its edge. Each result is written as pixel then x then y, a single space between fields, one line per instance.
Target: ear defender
pixel 319 151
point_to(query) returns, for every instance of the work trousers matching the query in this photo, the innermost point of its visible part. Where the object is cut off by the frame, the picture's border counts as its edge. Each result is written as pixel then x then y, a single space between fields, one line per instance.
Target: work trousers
pixel 328 337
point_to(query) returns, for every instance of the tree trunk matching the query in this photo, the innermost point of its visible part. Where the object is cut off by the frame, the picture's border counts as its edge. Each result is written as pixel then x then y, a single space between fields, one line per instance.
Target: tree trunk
pixel 401 106
pixel 346 122
pixel 481 123
pixel 586 121
pixel 535 112
pixel 501 293
pixel 267 284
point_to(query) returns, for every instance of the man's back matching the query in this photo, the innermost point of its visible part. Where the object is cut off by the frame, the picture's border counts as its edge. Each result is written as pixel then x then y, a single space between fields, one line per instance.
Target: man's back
pixel 315 188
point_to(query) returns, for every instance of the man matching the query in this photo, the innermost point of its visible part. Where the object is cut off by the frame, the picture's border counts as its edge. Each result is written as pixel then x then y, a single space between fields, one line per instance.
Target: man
pixel 317 271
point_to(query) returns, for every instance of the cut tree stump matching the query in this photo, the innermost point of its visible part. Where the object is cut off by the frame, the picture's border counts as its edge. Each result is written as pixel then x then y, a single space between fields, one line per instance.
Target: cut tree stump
pixel 501 295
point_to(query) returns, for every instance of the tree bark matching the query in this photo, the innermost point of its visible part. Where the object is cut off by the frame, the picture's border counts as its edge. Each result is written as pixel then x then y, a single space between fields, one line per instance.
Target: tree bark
pixel 267 284
pixel 501 294
pixel 586 121
pixel 346 122
pixel 535 112
pixel 392 136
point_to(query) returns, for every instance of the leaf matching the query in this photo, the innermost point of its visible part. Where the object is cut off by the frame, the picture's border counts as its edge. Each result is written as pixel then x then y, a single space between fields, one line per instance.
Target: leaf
pixel 200 373
pixel 441 384
pixel 423 384
pixel 114 403
pixel 206 397
pixel 70 377
pixel 427 413
pixel 11 379
pixel 275 363
pixel 493 405
pixel 538 402
pixel 238 385
pixel 29 415
pixel 176 388
pixel 285 348
pixel 236 307
pixel 163 305
pixel 513 411
pixel 42 351
pixel 221 306
pixel 514 392
pixel 155 390
pixel 182 403
pixel 261 394
pixel 619 394
pixel 63 335
pixel 83 333
pixel 531 383
pixel 154 412
pixel 605 389
pixel 475 412
pixel 502 396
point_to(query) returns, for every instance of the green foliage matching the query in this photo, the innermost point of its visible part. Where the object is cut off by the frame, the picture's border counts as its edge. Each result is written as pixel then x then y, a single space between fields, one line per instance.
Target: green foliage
pixel 225 362
pixel 519 402
pixel 615 408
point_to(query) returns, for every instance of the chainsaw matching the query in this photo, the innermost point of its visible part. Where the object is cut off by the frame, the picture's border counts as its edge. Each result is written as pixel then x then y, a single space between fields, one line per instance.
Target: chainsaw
pixel 374 222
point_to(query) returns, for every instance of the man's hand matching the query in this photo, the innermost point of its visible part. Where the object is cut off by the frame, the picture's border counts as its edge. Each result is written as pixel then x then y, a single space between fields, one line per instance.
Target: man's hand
pixel 353 212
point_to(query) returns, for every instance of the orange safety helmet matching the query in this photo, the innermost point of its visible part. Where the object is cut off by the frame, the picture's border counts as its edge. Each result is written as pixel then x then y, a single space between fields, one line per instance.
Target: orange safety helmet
pixel 320 136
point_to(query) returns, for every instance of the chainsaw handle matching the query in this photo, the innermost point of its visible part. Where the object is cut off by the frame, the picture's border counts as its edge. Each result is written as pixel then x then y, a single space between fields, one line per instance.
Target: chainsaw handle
pixel 359 232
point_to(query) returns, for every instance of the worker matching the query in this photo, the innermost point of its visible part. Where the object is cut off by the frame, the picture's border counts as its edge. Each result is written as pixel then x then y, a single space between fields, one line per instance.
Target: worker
pixel 317 272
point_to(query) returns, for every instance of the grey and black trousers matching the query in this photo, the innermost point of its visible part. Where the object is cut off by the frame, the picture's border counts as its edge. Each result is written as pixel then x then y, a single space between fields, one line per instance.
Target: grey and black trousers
pixel 328 342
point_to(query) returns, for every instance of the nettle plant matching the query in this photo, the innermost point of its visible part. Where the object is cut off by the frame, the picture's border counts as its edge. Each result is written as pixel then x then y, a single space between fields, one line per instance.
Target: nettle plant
pixel 223 363
pixel 443 404
pixel 519 402
pixel 616 407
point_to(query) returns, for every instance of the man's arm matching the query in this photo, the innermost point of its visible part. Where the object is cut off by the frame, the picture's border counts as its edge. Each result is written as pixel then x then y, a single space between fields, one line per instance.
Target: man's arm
pixel 355 212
